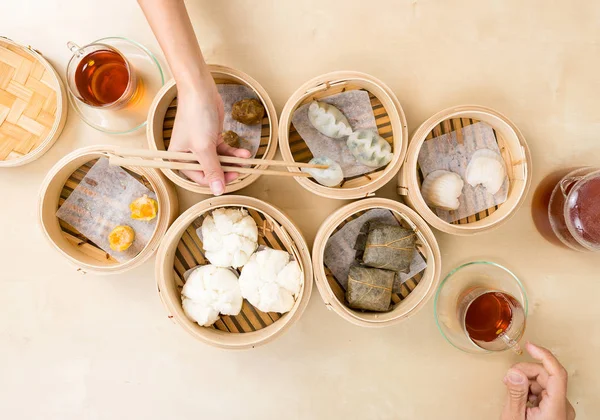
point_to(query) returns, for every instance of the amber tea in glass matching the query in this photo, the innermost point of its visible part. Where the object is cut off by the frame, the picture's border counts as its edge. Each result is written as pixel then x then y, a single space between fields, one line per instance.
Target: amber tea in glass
pixel 481 307
pixel 101 77
pixel 493 320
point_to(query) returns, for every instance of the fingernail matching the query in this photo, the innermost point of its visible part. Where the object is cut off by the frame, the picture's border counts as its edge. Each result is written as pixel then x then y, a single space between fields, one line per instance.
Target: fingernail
pixel 217 187
pixel 515 378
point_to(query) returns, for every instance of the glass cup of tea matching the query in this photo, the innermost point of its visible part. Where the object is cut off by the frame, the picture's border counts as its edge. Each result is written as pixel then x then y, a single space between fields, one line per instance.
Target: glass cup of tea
pixel 100 76
pixel 481 307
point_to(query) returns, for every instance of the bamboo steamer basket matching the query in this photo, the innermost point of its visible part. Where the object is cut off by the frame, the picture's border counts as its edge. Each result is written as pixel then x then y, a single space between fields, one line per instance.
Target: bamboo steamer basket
pixel 76 248
pixel 415 292
pixel 161 119
pixel 181 250
pixel 391 125
pixel 514 151
pixel 33 106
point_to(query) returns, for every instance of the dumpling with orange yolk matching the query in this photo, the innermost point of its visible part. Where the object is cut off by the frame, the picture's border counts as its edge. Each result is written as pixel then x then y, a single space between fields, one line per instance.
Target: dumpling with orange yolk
pixel 121 238
pixel 143 208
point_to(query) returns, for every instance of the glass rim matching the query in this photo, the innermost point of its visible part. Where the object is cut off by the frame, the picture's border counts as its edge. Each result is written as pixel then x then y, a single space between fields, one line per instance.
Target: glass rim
pixel 160 72
pixel 457 269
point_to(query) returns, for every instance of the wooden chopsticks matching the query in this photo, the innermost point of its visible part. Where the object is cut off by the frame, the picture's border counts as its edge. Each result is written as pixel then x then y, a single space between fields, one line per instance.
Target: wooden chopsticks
pixel 149 159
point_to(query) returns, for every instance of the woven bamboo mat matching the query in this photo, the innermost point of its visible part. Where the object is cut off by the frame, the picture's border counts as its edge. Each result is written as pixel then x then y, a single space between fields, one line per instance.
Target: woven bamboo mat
pixel 28 93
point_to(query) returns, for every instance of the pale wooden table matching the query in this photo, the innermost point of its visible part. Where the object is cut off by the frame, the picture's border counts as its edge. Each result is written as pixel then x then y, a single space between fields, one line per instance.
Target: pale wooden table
pixel 96 348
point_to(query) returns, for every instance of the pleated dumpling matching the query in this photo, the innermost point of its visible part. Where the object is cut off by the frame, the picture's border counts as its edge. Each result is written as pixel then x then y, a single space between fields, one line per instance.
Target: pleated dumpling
pixel 328 120
pixel 330 177
pixel 369 148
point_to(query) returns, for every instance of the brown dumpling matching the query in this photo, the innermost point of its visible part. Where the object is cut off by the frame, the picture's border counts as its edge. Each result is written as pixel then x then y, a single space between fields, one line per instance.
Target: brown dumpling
pixel 370 289
pixel 248 111
pixel 231 138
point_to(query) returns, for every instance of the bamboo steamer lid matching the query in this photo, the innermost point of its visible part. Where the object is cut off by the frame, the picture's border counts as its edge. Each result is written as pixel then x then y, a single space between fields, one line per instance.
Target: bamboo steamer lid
pixel 182 250
pixel 161 119
pixel 415 292
pixel 72 245
pixel 33 108
pixel 389 117
pixel 514 152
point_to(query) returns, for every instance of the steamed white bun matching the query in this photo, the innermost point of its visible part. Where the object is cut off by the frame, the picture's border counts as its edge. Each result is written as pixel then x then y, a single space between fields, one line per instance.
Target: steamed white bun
pixel 210 291
pixel 270 281
pixel 229 237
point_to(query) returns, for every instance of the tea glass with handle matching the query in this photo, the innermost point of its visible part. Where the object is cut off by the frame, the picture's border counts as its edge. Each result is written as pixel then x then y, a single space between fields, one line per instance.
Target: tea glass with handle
pixel 99 76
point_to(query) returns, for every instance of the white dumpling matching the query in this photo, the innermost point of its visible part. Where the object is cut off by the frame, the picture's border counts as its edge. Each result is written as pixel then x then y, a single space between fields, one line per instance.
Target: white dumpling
pixel 328 120
pixel 486 168
pixel 271 281
pixel 369 148
pixel 229 237
pixel 210 291
pixel 330 177
pixel 441 189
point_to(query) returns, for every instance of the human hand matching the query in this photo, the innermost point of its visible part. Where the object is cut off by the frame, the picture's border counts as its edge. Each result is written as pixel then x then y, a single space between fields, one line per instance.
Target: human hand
pixel 198 129
pixel 543 384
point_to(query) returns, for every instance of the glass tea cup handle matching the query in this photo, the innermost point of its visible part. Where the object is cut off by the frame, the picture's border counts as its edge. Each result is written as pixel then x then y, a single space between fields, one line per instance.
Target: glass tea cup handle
pixel 75 49
pixel 567 183
pixel 511 344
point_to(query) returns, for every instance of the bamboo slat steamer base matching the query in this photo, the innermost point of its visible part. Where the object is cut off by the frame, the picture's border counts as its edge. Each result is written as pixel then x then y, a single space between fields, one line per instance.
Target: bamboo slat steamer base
pixel 33 109
pixel 391 125
pixel 414 293
pixel 181 250
pixel 84 254
pixel 162 118
pixel 514 151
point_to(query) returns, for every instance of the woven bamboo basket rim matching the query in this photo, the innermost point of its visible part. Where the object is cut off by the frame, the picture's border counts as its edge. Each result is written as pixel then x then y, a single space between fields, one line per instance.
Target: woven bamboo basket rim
pixel 514 150
pixel 417 298
pixel 168 93
pixel 319 85
pixel 171 296
pixel 49 199
pixel 38 105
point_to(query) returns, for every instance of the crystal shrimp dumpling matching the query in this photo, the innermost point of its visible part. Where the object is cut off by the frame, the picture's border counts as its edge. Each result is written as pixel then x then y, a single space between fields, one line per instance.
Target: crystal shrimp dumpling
pixel 330 177
pixel 369 148
pixel 328 120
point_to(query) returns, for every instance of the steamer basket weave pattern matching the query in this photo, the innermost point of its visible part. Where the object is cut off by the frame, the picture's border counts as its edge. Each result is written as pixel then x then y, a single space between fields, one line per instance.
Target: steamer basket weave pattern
pixel 28 101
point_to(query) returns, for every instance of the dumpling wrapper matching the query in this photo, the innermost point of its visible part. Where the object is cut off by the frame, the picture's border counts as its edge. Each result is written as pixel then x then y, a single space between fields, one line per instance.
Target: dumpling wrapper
pixel 441 189
pixel 229 237
pixel 486 168
pixel 270 281
pixel 210 291
pixel 328 120
pixel 330 177
pixel 369 148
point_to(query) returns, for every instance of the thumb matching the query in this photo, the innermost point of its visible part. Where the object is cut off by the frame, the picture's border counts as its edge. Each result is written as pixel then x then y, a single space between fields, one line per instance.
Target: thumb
pixel 213 174
pixel 517 385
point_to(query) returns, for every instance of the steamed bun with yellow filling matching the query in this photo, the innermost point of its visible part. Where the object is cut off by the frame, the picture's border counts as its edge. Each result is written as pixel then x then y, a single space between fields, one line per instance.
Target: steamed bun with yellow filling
pixel 229 236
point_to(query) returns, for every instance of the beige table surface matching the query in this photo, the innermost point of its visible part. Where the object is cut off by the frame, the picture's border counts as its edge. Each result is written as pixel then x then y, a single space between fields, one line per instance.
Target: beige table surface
pixel 91 348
